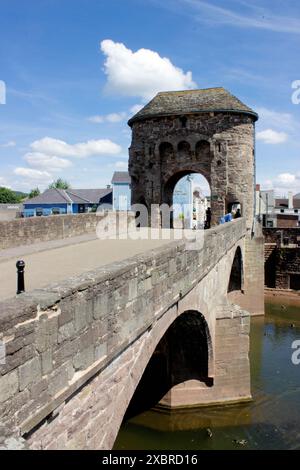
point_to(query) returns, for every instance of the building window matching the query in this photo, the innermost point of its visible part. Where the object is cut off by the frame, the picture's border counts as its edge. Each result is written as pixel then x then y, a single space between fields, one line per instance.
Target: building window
pixel 296 211
pixel 282 211
pixel 55 210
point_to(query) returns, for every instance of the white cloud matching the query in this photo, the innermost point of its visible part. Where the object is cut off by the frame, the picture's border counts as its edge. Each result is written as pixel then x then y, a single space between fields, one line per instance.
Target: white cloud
pixel 142 73
pixel 283 183
pixel 46 162
pixel 59 148
pixel 116 117
pixel 269 136
pixel 3 181
pixel 97 119
pixel 269 117
pixel 47 157
pixel 250 17
pixel 121 165
pixel 112 118
pixel 286 178
pixel 33 175
pixel 136 108
pixel 10 143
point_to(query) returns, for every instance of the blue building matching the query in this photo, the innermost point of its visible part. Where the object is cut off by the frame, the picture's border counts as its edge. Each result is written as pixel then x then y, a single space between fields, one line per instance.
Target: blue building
pixel 68 201
pixel 121 191
pixel 183 199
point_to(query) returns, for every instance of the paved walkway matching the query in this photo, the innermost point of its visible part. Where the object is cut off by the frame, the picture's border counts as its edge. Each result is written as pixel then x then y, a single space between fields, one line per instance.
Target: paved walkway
pixel 44 246
pixel 53 261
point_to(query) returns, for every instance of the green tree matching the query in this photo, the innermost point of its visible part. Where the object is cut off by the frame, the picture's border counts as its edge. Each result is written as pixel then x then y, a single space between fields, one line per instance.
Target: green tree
pixel 7 196
pixel 60 184
pixel 34 193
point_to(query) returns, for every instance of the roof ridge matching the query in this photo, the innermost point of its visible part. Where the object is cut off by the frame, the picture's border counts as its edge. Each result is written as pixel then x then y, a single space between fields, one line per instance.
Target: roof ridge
pixel 68 199
pixel 195 101
pixel 60 192
pixel 80 197
pixel 191 90
pixel 63 194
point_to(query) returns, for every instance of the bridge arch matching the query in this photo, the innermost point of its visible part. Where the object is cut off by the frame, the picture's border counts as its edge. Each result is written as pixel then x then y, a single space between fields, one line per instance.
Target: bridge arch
pixel 235 282
pixel 183 353
pixel 236 279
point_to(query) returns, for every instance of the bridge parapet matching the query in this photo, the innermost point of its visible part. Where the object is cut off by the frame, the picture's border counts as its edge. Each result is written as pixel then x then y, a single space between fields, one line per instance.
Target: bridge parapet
pixel 59 338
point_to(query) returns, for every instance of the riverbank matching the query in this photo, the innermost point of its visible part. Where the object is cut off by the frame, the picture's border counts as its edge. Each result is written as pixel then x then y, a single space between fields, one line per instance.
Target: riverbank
pixel 287 297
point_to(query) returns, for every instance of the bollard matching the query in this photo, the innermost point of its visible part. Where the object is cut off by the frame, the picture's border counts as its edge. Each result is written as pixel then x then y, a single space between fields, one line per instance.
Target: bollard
pixel 20 276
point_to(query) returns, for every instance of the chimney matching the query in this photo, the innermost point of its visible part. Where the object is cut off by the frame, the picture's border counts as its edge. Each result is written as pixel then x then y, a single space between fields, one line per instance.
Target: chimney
pixel 257 187
pixel 290 197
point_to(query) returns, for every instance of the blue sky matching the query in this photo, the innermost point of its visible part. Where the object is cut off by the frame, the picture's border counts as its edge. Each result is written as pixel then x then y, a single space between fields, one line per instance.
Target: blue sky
pixel 76 70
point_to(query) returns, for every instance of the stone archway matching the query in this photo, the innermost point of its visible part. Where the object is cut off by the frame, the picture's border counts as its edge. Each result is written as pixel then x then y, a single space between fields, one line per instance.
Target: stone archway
pixel 182 354
pixel 169 188
pixel 236 274
pixel 235 289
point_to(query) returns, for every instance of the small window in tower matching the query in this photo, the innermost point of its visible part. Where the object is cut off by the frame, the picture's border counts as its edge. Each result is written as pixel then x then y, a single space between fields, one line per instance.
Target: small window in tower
pixel 183 121
pixel 219 147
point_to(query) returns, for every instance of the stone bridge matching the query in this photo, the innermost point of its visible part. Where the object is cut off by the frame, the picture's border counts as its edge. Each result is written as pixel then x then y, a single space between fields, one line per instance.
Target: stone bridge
pixel 79 355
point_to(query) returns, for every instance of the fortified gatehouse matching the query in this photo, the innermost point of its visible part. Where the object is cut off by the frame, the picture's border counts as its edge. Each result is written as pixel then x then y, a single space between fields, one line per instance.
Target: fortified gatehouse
pixel 209 132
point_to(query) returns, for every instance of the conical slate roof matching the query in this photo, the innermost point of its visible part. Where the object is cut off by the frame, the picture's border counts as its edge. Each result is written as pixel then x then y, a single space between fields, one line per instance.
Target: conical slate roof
pixel 192 102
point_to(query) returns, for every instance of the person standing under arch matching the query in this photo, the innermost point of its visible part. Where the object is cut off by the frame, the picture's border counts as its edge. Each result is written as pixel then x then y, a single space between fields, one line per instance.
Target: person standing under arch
pixel 208 218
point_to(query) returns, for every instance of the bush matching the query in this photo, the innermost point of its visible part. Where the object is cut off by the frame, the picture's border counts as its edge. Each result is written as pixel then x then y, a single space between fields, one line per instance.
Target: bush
pixel 7 196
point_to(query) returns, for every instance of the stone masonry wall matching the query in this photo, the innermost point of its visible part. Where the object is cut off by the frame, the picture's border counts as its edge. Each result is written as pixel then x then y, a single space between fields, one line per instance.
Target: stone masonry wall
pixel 287 263
pixel 220 146
pixel 39 229
pixel 61 341
pixel 283 256
pixel 272 235
pixel 253 282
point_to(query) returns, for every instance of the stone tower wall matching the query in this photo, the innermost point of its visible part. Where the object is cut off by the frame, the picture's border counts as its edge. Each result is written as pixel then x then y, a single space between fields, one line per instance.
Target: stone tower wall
pixel 220 146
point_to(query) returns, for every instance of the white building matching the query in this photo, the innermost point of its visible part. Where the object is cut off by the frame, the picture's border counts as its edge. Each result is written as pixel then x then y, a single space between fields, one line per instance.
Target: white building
pixel 275 211
pixel 200 205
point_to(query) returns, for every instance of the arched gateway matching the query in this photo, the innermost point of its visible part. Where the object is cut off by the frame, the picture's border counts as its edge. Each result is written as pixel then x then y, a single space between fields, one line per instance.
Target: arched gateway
pixel 207 131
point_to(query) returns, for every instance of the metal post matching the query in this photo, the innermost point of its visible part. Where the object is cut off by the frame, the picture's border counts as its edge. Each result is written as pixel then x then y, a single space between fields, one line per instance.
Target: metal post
pixel 20 276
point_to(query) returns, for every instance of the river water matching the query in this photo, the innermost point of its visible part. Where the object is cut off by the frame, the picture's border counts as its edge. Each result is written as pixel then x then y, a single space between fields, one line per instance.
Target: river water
pixel 270 421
